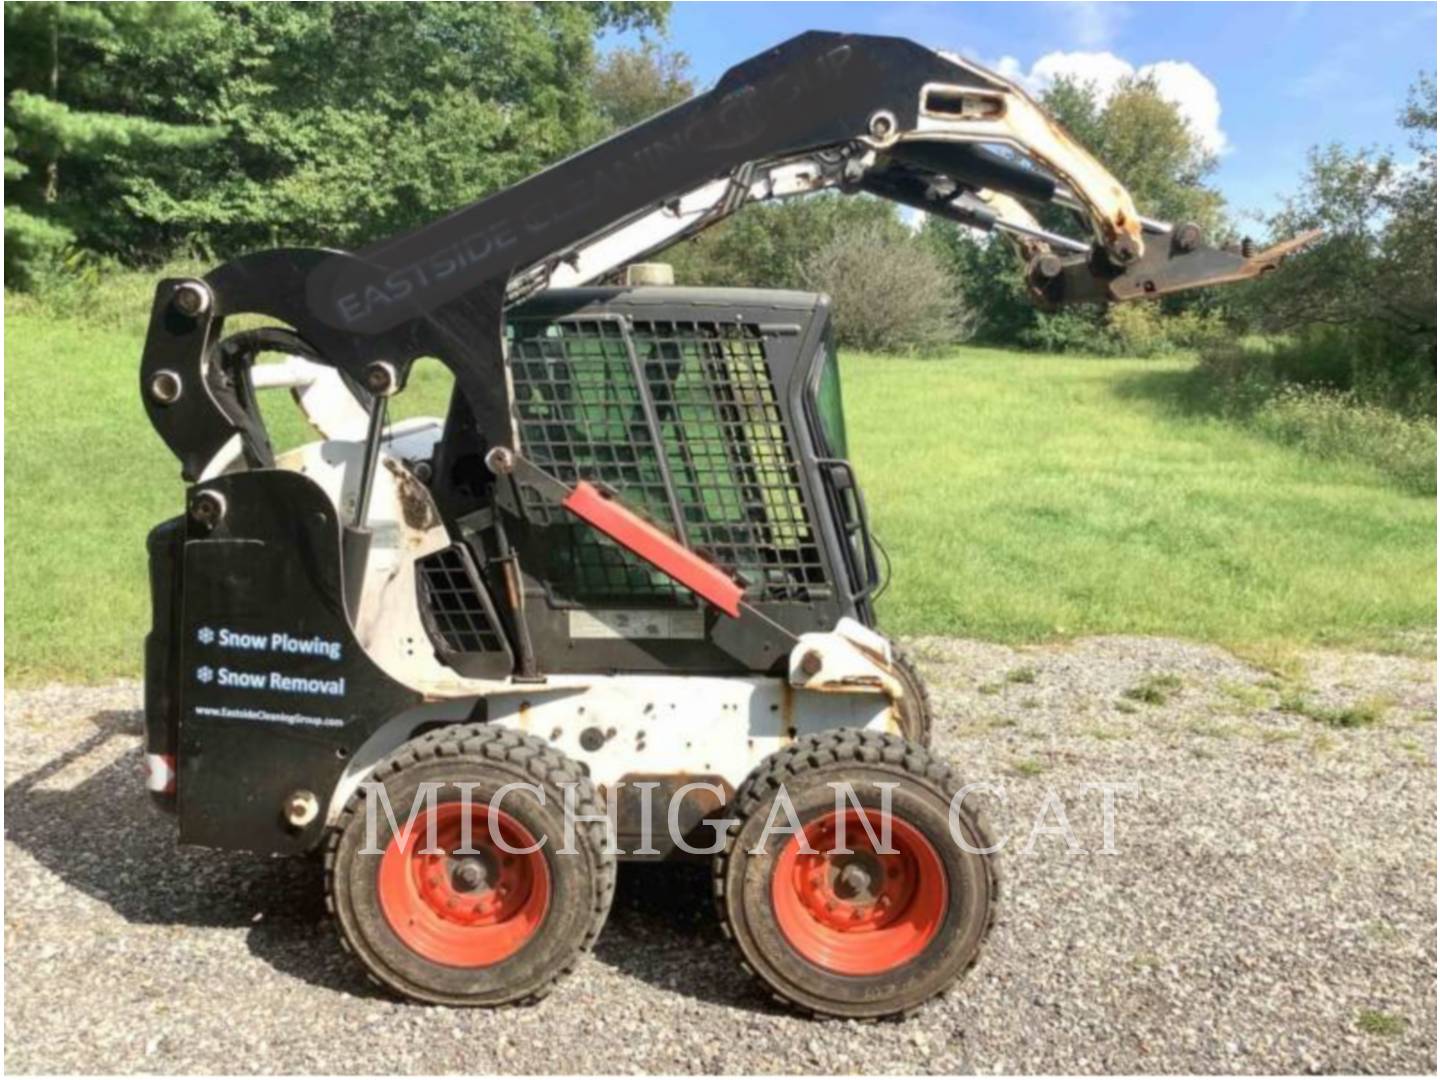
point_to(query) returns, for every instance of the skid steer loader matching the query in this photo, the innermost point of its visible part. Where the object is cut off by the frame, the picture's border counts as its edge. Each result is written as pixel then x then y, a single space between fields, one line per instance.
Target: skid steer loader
pixel 621 597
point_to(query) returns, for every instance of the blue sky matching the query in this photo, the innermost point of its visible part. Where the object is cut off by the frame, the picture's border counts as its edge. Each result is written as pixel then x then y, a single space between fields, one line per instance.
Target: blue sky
pixel 1287 76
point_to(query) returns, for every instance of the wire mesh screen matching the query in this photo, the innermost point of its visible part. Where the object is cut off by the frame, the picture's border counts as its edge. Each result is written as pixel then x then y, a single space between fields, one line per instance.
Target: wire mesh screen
pixel 581 416
pixel 696 444
pixel 458 610
pixel 735 478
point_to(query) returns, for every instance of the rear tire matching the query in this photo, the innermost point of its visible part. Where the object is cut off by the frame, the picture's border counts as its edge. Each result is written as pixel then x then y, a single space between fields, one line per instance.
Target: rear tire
pixel 494 927
pixel 864 935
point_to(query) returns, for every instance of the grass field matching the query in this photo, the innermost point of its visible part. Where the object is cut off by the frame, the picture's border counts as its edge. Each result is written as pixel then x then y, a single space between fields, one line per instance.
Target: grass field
pixel 1020 499
pixel 1025 498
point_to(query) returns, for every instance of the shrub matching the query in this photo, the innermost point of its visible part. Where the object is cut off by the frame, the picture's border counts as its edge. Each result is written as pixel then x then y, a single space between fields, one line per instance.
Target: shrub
pixel 1303 393
pixel 1319 360
pixel 1335 425
pixel 1233 379
pixel 32 246
pixel 1137 329
pixel 890 292
pixel 1194 328
pixel 1371 365
pixel 1141 329
pixel 1070 330
pixel 96 290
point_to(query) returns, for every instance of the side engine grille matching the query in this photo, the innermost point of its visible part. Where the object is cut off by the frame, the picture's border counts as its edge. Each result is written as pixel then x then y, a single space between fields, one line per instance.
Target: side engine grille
pixel 460 614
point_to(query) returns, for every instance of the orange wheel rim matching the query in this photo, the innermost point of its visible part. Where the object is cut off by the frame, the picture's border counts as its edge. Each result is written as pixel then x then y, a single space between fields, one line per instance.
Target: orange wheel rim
pixel 458 906
pixel 862 913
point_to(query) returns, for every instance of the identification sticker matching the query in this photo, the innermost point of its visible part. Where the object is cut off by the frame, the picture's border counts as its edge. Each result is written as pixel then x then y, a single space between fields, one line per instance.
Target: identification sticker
pixel 686 625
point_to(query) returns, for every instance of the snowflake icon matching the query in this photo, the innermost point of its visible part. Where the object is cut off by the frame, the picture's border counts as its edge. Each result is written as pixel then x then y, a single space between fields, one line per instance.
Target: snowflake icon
pixel 205 635
pixel 204 674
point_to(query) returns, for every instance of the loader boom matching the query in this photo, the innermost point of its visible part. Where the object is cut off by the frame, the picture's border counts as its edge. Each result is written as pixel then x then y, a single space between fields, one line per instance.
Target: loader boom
pixel 822 111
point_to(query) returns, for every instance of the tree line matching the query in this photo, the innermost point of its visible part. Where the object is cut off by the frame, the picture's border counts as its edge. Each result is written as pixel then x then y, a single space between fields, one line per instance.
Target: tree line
pixel 135 132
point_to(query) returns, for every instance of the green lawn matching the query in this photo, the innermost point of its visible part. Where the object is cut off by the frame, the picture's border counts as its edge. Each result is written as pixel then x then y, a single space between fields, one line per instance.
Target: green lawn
pixel 1020 498
pixel 1025 498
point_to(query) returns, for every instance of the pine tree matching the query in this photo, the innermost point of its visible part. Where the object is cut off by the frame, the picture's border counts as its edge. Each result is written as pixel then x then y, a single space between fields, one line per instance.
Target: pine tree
pixel 56 60
pixel 141 131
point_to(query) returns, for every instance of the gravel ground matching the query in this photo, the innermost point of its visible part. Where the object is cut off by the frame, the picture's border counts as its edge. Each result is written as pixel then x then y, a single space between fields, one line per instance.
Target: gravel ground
pixel 1270 905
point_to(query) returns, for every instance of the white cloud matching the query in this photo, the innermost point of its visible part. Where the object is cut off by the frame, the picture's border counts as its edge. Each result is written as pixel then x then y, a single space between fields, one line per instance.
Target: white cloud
pixel 1196 97
pixel 1007 67
pixel 1104 69
pixel 1178 81
pixel 1094 25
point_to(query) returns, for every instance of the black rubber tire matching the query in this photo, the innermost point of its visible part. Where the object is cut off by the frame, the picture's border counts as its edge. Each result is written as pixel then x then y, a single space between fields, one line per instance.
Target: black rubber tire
pixel 916 717
pixel 583 884
pixel 742 879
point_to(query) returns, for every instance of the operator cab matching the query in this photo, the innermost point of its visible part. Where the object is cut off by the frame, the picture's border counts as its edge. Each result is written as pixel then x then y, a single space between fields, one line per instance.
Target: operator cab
pixel 715 414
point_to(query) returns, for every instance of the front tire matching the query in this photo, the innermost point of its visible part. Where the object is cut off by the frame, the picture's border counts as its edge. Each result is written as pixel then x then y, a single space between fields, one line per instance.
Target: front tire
pixel 488 924
pixel 916 713
pixel 872 932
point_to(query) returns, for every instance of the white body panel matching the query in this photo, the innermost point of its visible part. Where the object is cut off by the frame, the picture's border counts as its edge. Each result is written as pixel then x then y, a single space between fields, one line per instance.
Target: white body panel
pixel 712 728
pixel 667 724
pixel 404 526
pixel 716 729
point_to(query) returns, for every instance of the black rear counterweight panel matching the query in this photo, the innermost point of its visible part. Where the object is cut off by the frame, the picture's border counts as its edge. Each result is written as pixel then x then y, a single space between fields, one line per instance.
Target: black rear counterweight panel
pixel 275 693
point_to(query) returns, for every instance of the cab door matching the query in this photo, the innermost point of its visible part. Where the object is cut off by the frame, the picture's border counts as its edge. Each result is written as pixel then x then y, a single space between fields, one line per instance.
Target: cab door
pixel 844 499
